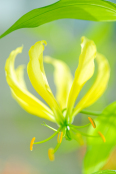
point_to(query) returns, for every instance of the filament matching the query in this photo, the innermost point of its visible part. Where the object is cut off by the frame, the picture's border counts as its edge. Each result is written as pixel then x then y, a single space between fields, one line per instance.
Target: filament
pixel 48 138
pixel 79 127
pixel 49 127
pixel 82 133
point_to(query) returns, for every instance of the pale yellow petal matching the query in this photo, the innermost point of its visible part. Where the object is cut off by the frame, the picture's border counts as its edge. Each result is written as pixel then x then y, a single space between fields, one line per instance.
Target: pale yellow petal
pixel 98 87
pixel 18 88
pixel 62 78
pixel 38 78
pixel 83 73
pixel 20 76
pixel 32 109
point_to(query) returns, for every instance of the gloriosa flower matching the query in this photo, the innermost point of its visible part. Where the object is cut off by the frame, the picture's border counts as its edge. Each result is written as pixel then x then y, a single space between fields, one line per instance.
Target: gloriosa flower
pixel 61 110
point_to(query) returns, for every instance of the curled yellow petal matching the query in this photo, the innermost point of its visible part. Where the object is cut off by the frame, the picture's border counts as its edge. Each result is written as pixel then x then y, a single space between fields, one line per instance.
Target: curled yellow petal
pixel 38 78
pixel 51 154
pixel 92 122
pixel 98 87
pixel 102 136
pixel 62 78
pixel 19 91
pixel 84 71
pixel 31 143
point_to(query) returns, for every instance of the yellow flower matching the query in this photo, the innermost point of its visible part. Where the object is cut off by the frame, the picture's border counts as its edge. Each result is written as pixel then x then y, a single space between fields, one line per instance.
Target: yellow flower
pixel 61 110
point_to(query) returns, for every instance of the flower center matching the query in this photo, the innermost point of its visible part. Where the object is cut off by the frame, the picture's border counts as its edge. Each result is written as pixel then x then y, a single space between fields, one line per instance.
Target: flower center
pixel 70 132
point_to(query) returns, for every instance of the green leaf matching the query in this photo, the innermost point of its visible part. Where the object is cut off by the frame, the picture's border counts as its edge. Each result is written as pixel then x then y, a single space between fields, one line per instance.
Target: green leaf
pixel 106 172
pixel 97 151
pixel 110 110
pixel 94 10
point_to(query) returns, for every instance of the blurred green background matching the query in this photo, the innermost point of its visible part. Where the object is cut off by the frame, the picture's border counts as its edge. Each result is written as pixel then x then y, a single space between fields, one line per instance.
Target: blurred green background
pixel 18 127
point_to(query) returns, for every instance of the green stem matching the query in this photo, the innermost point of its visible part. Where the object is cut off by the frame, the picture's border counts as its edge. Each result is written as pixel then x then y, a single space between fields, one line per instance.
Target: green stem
pixel 91 113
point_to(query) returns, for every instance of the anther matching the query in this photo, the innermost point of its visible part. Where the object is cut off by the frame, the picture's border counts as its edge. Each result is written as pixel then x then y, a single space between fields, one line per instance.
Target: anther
pixel 51 154
pixel 80 139
pixel 92 122
pixel 59 138
pixel 102 136
pixel 31 143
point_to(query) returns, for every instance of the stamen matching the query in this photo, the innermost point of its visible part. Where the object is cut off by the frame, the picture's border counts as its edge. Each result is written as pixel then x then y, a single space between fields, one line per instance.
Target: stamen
pixel 92 122
pixel 59 138
pixel 52 136
pixel 79 127
pixel 82 133
pixel 80 139
pixel 31 143
pixel 51 154
pixel 102 136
